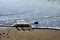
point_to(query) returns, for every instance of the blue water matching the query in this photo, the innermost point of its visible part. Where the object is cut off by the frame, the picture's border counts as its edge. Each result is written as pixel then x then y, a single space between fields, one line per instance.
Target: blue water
pixel 46 12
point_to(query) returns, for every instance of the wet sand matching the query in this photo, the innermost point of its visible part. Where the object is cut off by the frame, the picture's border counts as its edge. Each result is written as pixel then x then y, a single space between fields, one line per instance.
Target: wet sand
pixel 42 34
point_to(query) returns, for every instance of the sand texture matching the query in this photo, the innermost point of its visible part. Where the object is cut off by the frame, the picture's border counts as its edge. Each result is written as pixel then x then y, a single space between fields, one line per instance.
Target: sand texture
pixel 42 34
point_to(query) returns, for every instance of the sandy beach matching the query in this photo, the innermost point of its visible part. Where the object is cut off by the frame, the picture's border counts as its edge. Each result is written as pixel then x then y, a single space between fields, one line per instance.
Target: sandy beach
pixel 42 34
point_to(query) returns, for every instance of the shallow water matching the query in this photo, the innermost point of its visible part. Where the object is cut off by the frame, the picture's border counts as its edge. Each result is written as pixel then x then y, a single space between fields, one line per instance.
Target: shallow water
pixel 46 12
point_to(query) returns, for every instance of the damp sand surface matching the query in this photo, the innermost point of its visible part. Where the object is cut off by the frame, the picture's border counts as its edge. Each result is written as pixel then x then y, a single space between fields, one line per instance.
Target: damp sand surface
pixel 41 34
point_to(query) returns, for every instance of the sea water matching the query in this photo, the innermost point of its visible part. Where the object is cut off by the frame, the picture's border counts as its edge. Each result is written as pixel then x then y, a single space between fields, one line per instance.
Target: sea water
pixel 46 12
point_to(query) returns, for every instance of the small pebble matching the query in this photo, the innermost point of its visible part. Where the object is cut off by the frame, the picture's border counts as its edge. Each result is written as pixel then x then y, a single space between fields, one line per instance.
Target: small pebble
pixel 0 33
pixel 3 33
